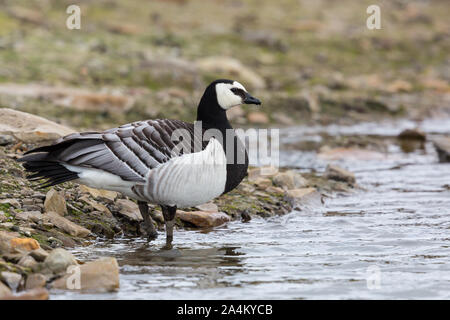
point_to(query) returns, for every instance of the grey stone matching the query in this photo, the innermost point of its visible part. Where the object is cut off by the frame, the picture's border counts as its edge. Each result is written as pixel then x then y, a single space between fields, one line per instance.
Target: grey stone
pixel 58 260
pixel 12 279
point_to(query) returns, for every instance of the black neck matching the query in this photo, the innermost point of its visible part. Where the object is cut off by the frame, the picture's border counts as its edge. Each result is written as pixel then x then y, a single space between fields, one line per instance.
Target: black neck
pixel 215 117
pixel 211 114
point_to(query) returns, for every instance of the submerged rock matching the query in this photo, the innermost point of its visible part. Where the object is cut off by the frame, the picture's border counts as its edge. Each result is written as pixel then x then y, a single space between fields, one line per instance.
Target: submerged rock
pixel 412 134
pixel 303 197
pixel 334 172
pixel 97 276
pixel 203 219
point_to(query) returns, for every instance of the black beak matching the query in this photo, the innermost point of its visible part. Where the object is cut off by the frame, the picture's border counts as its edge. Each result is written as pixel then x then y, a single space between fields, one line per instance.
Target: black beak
pixel 248 99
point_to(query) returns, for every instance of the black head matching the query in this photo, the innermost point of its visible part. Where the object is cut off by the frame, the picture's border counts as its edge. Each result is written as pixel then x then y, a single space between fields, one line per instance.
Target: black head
pixel 222 95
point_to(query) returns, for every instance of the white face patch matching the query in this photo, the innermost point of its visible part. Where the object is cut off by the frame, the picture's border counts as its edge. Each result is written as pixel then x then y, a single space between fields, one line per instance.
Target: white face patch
pixel 227 98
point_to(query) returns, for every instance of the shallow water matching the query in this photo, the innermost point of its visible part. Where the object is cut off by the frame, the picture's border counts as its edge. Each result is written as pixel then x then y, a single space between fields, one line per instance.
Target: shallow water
pixel 389 240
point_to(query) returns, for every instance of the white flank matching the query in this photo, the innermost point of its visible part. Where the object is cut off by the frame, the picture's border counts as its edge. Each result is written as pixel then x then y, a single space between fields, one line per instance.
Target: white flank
pixel 190 179
pixel 99 179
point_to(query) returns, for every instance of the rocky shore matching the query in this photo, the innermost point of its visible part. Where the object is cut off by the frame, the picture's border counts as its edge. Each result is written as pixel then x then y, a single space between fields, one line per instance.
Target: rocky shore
pixel 309 64
pixel 38 226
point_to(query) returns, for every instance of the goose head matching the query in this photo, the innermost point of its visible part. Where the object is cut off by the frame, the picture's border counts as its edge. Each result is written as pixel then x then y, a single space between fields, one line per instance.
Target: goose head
pixel 222 95
pixel 231 93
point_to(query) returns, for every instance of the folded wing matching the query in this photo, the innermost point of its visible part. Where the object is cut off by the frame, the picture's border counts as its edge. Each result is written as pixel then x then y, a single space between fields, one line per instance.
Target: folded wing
pixel 129 151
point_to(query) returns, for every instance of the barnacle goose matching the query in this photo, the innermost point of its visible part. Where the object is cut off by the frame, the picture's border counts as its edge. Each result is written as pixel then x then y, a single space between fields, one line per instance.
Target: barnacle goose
pixel 164 162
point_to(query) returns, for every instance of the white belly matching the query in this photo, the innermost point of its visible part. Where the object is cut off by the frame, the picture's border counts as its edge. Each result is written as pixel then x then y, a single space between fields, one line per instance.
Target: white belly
pixel 100 179
pixel 189 180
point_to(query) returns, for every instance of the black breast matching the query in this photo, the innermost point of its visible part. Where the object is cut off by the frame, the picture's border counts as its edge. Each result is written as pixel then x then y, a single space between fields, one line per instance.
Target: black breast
pixel 237 163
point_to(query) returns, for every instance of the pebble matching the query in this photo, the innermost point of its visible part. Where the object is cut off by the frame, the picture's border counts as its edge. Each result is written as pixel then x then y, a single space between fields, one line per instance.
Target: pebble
pixel 34 216
pixel 38 195
pixel 55 202
pixel 24 244
pixel 27 262
pixel 12 279
pixel 289 180
pixel 129 209
pixel 28 202
pixel 245 216
pixel 97 206
pixel 263 183
pixel 273 189
pixel 66 225
pixel 209 207
pixel 39 254
pixel 11 202
pixel 25 192
pixel 303 197
pixel 203 219
pixel 110 196
pixel 58 260
pixel 412 134
pixel 337 173
pixel 6 139
pixel 35 280
pixel 4 291
pixel 32 208
pixel 33 294
pixel 97 276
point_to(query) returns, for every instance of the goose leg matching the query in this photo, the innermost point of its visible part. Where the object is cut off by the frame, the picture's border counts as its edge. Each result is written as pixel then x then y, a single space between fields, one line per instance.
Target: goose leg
pixel 169 219
pixel 152 234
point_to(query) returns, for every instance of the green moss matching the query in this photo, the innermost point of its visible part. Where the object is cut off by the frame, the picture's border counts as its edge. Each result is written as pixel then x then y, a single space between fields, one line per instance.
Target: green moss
pixel 5 208
pixel 7 24
pixel 42 239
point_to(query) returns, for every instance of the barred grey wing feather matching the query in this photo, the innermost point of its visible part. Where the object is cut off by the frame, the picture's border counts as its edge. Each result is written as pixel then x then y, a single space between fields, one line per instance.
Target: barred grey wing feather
pixel 128 151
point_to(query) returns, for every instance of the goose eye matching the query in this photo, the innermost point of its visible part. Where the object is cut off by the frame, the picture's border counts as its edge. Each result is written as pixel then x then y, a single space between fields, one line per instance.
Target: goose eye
pixel 238 92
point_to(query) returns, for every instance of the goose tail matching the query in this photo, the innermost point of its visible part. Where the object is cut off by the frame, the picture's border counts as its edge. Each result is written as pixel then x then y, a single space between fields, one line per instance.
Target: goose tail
pixel 41 165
